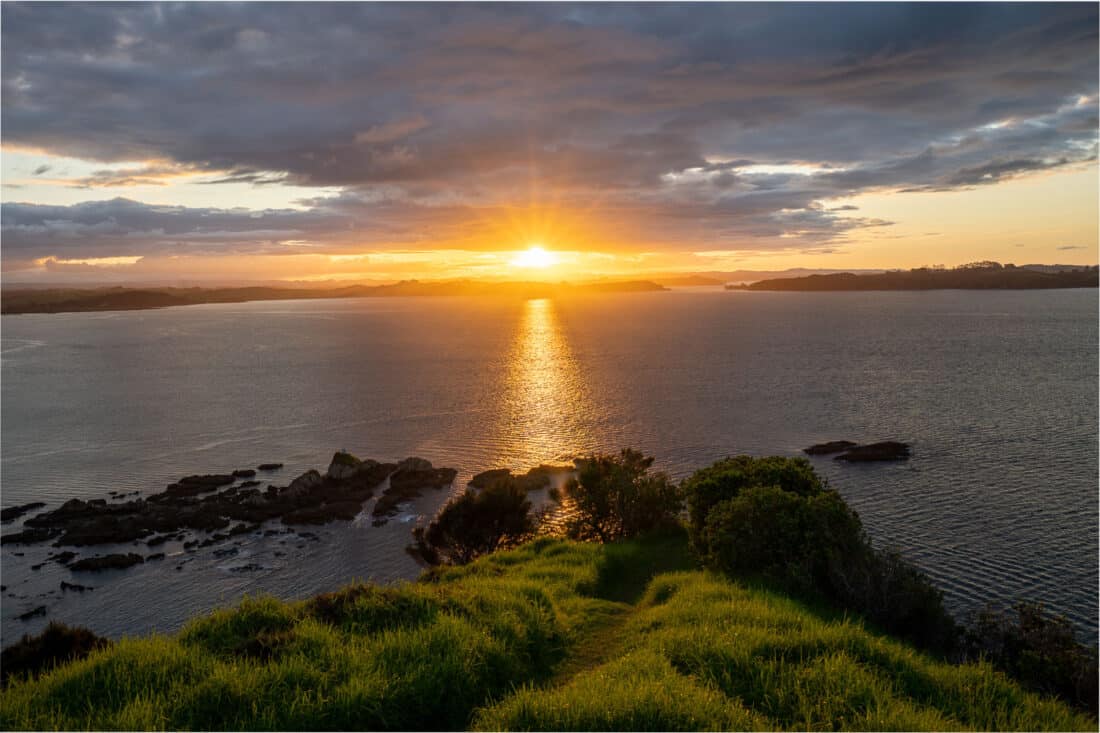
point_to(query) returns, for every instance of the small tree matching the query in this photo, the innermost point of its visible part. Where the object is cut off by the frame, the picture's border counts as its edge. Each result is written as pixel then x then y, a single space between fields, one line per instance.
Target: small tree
pixel 476 523
pixel 615 497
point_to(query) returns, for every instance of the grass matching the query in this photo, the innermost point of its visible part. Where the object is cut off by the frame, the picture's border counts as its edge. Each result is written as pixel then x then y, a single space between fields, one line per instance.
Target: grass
pixel 554 635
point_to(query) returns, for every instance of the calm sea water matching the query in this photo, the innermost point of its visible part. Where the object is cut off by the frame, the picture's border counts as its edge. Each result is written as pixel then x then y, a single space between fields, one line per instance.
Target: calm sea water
pixel 996 391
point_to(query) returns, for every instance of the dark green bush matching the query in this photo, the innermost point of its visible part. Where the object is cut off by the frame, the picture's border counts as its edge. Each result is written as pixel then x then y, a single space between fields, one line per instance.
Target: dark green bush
pixel 56 644
pixel 1038 649
pixel 727 478
pixel 806 540
pixel 477 523
pixel 615 497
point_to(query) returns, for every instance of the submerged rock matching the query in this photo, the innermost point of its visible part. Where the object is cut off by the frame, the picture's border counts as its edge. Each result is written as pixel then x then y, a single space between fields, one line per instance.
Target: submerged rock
pixel 269 466
pixel 107 562
pixel 75 586
pixel 40 611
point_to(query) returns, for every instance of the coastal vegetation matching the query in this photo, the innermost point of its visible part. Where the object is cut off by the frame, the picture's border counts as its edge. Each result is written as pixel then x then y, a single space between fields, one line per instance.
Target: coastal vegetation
pixel 68 300
pixel 766 611
pixel 974 276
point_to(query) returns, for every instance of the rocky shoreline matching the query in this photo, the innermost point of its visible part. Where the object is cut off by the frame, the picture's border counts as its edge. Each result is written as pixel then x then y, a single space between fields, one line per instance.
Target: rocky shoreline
pixel 218 505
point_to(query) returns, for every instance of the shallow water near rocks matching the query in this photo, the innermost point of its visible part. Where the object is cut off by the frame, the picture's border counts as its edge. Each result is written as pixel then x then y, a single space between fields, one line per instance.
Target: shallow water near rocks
pixel 995 391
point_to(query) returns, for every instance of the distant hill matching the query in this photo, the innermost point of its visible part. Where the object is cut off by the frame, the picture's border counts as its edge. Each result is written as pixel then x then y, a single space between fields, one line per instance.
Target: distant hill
pixel 988 276
pixel 69 300
pixel 688 281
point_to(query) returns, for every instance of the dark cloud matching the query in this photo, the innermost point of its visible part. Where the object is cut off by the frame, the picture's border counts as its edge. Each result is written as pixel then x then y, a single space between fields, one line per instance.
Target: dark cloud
pixel 444 111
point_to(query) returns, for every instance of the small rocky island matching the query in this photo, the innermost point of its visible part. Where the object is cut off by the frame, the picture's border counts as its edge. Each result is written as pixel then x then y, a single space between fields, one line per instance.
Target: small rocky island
pixel 887 450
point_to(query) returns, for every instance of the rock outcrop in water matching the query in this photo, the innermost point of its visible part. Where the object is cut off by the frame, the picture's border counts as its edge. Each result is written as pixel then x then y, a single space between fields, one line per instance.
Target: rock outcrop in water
pixel 539 477
pixel 407 482
pixel 14 512
pixel 888 450
pixel 196 503
pixel 833 446
pixel 107 562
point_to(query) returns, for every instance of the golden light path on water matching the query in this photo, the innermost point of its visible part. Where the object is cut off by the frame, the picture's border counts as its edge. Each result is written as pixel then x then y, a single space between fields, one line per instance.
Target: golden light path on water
pixel 547 410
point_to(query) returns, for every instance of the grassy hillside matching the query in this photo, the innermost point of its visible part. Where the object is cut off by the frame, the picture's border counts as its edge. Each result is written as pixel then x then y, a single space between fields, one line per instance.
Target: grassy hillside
pixel 553 635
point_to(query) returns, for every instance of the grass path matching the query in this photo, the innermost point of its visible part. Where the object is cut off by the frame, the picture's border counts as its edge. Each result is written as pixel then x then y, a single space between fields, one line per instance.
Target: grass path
pixel 624 580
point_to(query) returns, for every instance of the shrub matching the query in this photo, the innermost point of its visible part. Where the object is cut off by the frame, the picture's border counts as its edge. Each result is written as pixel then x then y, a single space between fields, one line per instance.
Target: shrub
pixel 809 542
pixel 727 478
pixel 476 523
pixel 56 644
pixel 615 497
pixel 1038 649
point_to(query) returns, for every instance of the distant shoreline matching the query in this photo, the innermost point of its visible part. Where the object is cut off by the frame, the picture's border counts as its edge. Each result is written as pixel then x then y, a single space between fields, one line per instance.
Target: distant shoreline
pixel 65 300
pixel 994 277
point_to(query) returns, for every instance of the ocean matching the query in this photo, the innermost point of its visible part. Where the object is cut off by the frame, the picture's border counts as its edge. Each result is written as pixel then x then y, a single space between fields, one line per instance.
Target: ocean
pixel 996 391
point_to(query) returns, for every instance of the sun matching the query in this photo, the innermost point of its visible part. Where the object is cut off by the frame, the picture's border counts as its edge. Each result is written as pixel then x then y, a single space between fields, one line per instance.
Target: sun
pixel 535 256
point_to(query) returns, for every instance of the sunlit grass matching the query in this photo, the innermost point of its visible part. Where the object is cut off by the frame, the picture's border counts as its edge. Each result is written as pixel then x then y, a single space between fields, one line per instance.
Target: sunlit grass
pixel 553 635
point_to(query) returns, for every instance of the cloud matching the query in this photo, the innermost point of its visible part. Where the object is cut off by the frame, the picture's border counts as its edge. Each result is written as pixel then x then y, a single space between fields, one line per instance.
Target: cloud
pixel 674 124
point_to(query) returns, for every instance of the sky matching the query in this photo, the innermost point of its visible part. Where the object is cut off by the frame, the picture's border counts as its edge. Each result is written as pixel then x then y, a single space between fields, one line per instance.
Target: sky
pixel 379 141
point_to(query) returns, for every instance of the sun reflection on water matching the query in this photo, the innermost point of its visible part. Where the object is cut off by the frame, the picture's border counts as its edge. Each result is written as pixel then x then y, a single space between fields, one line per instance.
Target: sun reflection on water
pixel 547 411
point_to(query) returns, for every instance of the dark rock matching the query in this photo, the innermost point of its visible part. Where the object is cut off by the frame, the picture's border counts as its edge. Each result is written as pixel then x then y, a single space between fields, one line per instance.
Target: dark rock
pixel 250 567
pixel 14 512
pixel 485 479
pixel 63 557
pixel 104 530
pixel 414 463
pixel 429 478
pixel 40 611
pixel 305 483
pixel 155 556
pixel 37 567
pixel 19 554
pixel 271 532
pixel 824 449
pixel 226 552
pixel 213 540
pixel 56 644
pixel 407 482
pixel 269 466
pixel 325 513
pixel 159 540
pixel 107 562
pixel 539 477
pixel 243 529
pixel 28 536
pixel 244 473
pixel 75 586
pixel 248 484
pixel 190 545
pixel 343 466
pixel 192 485
pixel 886 451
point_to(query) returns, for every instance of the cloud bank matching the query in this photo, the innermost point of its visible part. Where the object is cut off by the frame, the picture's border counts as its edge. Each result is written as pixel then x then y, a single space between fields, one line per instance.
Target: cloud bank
pixel 678 126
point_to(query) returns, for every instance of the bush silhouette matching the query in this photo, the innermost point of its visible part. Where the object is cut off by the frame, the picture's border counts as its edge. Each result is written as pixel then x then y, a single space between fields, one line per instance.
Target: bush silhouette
pixel 615 497
pixel 476 523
